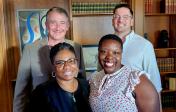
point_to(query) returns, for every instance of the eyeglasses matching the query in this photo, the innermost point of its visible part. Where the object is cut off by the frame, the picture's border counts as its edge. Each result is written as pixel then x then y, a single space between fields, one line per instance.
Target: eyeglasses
pixel 125 17
pixel 61 63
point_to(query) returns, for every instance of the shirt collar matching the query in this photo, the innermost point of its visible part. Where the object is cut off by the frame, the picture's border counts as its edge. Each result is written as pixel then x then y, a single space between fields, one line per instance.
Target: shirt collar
pixel 113 74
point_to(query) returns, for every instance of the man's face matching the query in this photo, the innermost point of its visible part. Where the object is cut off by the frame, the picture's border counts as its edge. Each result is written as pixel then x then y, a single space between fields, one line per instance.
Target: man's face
pixel 122 20
pixel 57 25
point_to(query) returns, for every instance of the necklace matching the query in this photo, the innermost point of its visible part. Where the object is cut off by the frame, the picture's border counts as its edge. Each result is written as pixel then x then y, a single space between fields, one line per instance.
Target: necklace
pixel 71 87
pixel 73 97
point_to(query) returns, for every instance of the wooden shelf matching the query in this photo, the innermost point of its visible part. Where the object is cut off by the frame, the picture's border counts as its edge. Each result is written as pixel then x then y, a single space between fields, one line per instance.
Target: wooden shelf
pixel 159 14
pixel 169 109
pixel 165 73
pixel 167 91
pixel 157 49
pixel 92 14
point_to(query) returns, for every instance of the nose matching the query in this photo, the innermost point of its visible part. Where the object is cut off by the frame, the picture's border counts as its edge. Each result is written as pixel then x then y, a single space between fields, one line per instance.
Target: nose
pixel 66 66
pixel 109 55
pixel 120 19
pixel 57 25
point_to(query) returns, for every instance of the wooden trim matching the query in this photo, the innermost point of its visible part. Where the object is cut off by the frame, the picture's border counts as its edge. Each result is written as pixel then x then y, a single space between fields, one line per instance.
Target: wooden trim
pixel 5 89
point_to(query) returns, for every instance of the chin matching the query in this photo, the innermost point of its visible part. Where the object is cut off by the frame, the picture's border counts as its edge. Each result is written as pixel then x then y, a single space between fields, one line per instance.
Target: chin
pixel 68 78
pixel 109 71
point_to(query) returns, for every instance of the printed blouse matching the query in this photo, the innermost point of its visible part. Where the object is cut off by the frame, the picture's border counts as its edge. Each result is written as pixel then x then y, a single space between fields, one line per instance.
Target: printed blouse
pixel 113 92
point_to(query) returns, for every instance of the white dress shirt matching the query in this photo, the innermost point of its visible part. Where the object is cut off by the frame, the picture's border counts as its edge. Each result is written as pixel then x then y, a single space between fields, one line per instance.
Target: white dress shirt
pixel 139 54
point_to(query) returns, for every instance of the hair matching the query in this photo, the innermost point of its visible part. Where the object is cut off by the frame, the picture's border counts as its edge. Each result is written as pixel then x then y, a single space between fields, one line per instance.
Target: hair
pixel 58 10
pixel 59 47
pixel 110 37
pixel 123 5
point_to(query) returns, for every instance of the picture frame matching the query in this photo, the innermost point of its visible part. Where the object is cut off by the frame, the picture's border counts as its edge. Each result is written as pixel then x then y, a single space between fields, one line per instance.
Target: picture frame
pixel 31 25
pixel 90 55
pixel 89 73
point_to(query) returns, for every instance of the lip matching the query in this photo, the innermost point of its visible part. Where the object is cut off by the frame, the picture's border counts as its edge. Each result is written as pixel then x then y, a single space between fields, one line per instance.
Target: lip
pixel 108 64
pixel 67 73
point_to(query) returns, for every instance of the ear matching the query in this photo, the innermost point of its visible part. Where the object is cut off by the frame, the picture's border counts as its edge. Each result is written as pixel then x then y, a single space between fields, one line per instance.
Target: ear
pixel 132 22
pixel 68 26
pixel 113 22
pixel 46 24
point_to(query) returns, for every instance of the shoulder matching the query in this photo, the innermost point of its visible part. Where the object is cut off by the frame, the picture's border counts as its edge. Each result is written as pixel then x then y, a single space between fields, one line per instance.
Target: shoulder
pixel 83 82
pixel 72 42
pixel 36 44
pixel 42 41
pixel 46 86
pixel 140 39
pixel 134 75
pixel 97 75
pixel 145 45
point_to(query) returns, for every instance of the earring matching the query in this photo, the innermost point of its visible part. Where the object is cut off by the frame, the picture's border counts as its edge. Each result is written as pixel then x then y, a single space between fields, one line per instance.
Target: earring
pixel 53 74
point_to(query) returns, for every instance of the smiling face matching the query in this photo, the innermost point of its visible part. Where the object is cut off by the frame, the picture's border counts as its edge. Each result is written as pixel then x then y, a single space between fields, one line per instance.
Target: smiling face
pixel 110 54
pixel 122 20
pixel 66 65
pixel 57 25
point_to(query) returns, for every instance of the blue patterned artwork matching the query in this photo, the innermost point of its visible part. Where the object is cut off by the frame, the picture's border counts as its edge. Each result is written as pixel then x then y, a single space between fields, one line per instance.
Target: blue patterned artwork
pixel 31 23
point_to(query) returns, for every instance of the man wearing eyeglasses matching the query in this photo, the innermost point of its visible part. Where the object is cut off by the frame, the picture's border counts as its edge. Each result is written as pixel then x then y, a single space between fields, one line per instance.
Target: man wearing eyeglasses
pixel 137 51
pixel 35 66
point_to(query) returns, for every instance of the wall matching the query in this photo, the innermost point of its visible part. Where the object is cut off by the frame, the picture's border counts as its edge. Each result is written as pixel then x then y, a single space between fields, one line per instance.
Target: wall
pixel 5 97
pixel 10 50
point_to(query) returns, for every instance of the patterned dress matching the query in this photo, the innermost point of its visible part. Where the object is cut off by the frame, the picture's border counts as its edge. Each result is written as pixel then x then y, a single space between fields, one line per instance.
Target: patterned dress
pixel 113 92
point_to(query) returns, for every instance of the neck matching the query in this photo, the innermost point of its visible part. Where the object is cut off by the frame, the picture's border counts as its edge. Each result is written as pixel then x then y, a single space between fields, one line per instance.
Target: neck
pixel 123 34
pixel 52 42
pixel 69 86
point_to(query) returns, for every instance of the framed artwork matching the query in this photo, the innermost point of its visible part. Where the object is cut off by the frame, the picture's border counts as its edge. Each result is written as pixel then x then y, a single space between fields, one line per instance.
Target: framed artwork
pixel 90 55
pixel 31 25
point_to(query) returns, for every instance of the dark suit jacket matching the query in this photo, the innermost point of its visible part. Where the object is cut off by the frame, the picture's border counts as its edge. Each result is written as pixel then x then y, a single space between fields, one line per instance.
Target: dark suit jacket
pixel 35 68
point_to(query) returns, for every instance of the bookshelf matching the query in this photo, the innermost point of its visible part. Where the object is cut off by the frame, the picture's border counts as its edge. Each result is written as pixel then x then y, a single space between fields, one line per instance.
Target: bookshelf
pixel 161 15
pixel 92 19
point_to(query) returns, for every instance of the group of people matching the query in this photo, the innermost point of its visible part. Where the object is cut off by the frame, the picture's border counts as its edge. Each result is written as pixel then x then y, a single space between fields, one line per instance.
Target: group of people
pixel 51 75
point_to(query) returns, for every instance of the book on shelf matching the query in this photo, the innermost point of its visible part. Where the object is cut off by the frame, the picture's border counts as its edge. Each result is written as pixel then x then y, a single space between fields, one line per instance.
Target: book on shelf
pixel 172 83
pixel 94 7
pixel 148 6
pixel 166 64
pixel 168 99
pixel 168 6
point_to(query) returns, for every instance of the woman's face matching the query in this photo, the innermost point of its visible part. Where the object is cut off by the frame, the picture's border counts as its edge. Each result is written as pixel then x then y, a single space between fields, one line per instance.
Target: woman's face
pixel 109 55
pixel 66 66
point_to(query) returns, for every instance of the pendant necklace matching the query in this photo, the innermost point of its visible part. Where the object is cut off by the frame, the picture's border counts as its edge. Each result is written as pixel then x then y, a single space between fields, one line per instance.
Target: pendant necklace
pixel 73 97
pixel 69 90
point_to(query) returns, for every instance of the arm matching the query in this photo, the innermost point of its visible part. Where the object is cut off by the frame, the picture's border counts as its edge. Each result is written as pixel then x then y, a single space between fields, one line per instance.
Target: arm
pixel 22 88
pixel 150 66
pixel 39 101
pixel 147 98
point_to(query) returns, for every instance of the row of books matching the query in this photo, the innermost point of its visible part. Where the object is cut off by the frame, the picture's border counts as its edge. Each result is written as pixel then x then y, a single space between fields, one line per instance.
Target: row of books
pixel 148 6
pixel 166 64
pixel 168 100
pixel 168 6
pixel 94 8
